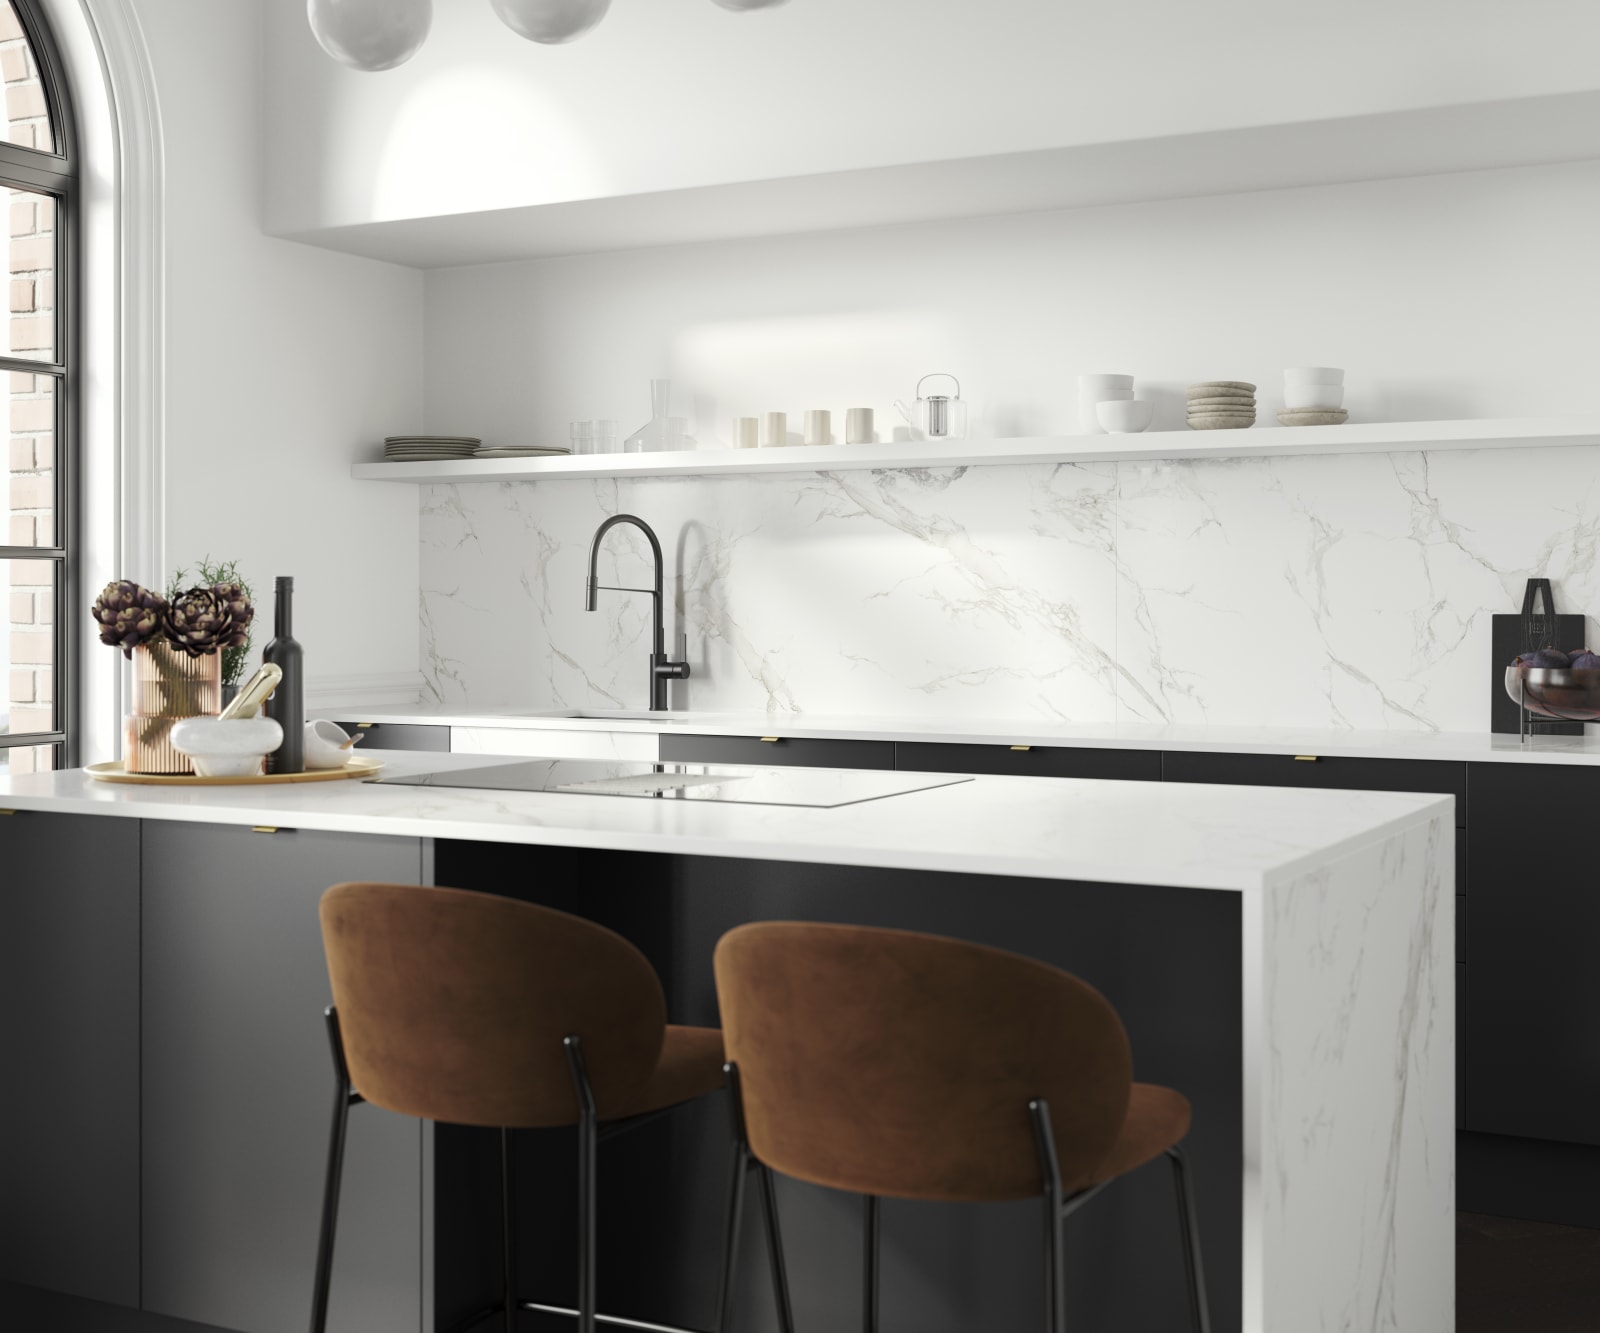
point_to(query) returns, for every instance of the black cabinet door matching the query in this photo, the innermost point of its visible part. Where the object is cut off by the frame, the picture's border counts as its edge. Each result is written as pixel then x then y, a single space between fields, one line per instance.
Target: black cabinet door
pixel 399 736
pixel 238 1089
pixel 1285 770
pixel 1036 761
pixel 69 1031
pixel 1533 1028
pixel 778 750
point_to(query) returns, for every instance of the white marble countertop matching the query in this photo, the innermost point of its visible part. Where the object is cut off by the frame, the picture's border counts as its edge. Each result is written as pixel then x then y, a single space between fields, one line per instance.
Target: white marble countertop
pixel 1180 834
pixel 1452 746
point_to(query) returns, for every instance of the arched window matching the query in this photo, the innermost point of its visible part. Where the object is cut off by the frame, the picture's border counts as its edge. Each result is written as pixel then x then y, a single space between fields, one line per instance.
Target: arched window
pixel 39 546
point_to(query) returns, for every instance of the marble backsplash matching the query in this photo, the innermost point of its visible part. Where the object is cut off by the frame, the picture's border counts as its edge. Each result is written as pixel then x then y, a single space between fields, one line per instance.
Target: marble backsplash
pixel 1348 592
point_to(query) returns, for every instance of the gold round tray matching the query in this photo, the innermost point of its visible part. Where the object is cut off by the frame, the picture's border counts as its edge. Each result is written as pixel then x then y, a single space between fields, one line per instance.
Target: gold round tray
pixel 358 767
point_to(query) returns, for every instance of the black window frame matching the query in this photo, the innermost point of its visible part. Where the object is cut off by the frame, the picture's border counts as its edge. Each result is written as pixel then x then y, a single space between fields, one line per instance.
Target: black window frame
pixel 55 172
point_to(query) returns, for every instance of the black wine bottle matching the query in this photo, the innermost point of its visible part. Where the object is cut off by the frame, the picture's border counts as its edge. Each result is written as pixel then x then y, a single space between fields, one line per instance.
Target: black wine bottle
pixel 287 706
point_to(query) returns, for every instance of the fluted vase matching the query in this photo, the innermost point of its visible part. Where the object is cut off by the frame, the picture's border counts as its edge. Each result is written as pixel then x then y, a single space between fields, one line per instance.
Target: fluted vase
pixel 168 686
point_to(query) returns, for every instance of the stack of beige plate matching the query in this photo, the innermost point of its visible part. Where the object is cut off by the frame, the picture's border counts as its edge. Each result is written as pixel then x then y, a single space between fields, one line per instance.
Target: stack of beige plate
pixel 428 448
pixel 1221 405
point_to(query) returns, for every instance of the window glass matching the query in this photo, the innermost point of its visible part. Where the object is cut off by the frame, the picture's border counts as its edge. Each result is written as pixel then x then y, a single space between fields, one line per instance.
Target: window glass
pixel 27 759
pixel 27 119
pixel 28 648
pixel 31 462
pixel 32 328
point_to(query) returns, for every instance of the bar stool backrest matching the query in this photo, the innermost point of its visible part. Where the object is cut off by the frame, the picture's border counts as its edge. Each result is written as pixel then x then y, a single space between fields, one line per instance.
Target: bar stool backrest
pixel 454 1005
pixel 891 1063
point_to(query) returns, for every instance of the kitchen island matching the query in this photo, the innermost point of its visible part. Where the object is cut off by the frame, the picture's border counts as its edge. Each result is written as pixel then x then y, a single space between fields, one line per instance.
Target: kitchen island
pixel 1283 957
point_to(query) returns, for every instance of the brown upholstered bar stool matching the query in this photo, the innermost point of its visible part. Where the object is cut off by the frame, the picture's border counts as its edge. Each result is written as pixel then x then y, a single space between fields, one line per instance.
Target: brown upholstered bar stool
pixel 912 1066
pixel 473 1009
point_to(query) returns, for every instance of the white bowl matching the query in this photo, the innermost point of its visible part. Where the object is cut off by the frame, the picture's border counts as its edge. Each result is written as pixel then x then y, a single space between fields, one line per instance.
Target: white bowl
pixel 327 745
pixel 1299 397
pixel 232 749
pixel 1125 417
pixel 1314 375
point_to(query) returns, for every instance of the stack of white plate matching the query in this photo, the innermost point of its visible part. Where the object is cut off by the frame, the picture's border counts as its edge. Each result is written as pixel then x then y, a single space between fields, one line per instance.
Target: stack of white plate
pixel 428 448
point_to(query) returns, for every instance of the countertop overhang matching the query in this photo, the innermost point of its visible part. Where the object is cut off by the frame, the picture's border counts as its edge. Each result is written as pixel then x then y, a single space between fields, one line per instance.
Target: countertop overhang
pixel 1240 839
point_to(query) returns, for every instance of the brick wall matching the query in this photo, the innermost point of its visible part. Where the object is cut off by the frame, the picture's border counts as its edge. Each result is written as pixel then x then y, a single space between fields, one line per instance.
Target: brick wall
pixel 31 453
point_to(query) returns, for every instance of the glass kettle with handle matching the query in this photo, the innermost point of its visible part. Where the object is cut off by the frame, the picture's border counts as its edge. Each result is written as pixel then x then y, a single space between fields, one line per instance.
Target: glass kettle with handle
pixel 938 416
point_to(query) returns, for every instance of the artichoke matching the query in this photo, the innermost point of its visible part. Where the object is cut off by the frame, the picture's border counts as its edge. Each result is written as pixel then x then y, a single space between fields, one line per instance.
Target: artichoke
pixel 237 600
pixel 128 615
pixel 201 620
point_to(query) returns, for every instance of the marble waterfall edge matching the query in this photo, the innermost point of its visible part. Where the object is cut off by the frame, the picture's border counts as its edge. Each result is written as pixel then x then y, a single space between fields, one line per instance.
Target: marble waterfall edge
pixel 1350 1091
pixel 1335 592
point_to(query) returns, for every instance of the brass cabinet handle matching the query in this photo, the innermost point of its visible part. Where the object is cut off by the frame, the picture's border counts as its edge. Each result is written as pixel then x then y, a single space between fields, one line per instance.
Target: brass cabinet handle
pixel 770 740
pixel 1021 748
pixel 263 828
pixel 1305 758
pixel 365 726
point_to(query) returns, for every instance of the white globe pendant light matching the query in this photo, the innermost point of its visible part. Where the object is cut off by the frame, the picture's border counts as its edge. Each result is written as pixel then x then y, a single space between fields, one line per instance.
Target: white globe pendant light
pixel 370 35
pixel 550 21
pixel 748 4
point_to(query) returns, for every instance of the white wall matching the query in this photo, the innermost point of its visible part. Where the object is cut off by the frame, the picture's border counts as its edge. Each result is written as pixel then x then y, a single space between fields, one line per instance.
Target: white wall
pixel 284 364
pixel 1451 296
pixel 669 94
pixel 1360 586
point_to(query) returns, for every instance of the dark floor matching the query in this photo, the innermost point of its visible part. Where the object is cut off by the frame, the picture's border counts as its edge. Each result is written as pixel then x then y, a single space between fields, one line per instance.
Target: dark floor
pixel 1525 1277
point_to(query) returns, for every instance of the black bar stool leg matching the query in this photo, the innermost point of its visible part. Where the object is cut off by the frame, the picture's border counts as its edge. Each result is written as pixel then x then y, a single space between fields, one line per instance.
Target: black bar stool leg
pixel 744 1160
pixel 738 1169
pixel 780 1273
pixel 335 1175
pixel 1198 1306
pixel 869 1265
pixel 588 1143
pixel 508 1236
pixel 1055 1221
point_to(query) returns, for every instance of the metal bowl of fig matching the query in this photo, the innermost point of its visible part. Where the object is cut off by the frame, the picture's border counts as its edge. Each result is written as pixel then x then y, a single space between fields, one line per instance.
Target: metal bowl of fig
pixel 1569 695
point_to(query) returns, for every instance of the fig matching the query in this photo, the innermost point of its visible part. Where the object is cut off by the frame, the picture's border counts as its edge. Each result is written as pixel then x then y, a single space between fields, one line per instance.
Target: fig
pixel 1586 661
pixel 1548 659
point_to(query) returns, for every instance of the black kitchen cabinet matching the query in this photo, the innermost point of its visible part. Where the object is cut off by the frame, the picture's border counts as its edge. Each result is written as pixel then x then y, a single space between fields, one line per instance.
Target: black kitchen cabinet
pixel 69 1030
pixel 238 1087
pixel 399 736
pixel 1337 772
pixel 1034 761
pixel 1534 1022
pixel 800 751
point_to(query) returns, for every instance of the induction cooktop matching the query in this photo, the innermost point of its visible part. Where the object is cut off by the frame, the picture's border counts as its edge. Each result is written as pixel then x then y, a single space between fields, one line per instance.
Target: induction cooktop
pixel 818 788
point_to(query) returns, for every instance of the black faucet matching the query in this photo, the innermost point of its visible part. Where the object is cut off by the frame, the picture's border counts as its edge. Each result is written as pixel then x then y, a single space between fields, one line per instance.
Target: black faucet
pixel 661 670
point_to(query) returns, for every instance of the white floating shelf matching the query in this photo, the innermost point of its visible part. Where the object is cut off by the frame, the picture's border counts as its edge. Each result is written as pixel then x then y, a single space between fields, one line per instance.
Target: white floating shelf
pixel 1563 127
pixel 1379 437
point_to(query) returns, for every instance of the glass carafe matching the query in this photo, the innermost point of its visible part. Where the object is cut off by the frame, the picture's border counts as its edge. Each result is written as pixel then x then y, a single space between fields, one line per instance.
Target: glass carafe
pixel 662 431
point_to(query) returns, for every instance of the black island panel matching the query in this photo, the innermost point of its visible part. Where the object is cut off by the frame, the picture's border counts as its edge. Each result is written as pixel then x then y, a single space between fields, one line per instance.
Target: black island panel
pixel 1168 959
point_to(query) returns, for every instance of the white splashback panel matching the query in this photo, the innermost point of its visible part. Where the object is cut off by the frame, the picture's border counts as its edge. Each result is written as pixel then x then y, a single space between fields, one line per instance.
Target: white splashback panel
pixel 1316 592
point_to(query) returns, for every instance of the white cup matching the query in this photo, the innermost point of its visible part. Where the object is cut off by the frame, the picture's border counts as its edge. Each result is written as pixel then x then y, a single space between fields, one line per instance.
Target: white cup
pixel 1314 375
pixel 819 427
pixel 747 433
pixel 858 428
pixel 777 430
